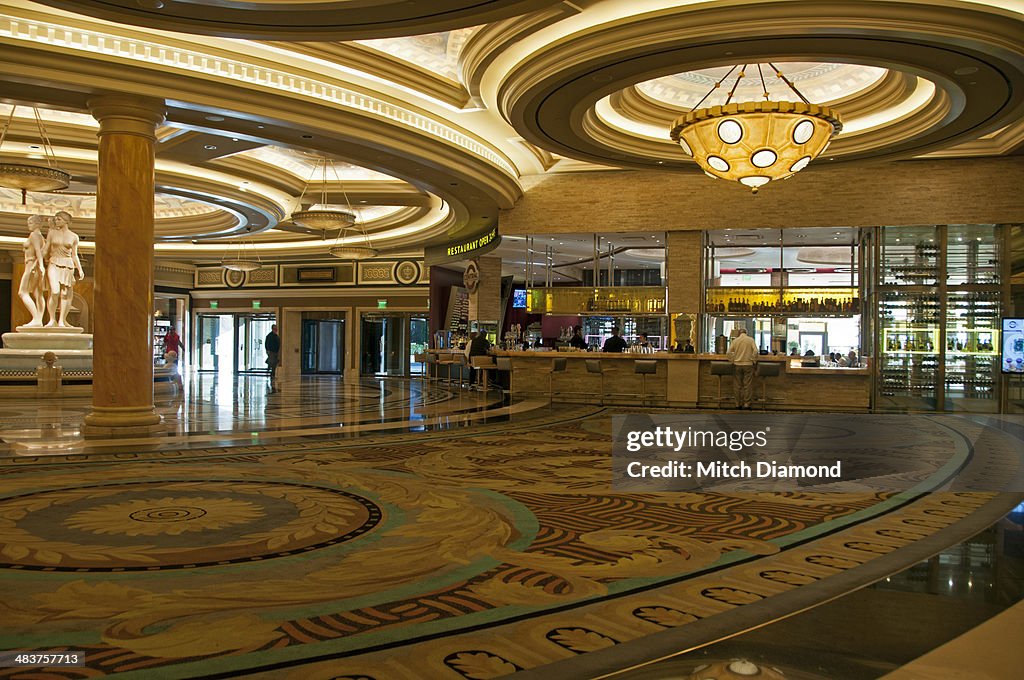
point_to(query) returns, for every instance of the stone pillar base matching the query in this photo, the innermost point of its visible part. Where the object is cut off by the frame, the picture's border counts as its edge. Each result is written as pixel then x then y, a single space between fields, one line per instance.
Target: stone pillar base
pixel 123 421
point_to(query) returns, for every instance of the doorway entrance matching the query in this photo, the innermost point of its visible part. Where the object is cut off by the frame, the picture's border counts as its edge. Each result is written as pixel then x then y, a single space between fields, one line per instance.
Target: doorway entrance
pixel 323 346
pixel 233 343
pixel 389 341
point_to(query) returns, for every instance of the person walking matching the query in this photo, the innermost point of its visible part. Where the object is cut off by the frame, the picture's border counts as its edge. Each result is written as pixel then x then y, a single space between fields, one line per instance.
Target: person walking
pixel 743 354
pixel 272 345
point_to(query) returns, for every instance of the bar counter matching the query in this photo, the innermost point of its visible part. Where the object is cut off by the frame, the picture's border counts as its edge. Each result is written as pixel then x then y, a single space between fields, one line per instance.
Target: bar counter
pixel 685 381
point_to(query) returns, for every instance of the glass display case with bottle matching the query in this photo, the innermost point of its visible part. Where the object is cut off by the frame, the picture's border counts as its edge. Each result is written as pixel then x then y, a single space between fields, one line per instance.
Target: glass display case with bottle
pixel 790 302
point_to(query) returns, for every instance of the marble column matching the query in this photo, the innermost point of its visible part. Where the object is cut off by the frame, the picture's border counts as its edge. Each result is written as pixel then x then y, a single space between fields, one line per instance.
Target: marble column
pixel 122 402
pixel 684 253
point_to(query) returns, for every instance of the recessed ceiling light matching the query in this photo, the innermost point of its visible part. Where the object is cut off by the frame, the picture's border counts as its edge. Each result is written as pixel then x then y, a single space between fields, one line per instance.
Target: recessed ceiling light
pixel 307 136
pixel 210 147
pixel 234 139
pixel 260 127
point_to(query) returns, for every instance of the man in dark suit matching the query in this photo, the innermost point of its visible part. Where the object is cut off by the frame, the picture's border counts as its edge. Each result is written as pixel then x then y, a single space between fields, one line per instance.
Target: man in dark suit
pixel 614 343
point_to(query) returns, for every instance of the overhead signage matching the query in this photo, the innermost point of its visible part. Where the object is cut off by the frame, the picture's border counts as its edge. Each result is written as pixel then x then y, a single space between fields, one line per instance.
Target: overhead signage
pixel 464 248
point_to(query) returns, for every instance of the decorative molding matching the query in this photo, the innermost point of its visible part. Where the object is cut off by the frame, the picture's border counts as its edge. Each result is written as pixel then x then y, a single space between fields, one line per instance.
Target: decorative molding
pixel 91 42
pixel 390 273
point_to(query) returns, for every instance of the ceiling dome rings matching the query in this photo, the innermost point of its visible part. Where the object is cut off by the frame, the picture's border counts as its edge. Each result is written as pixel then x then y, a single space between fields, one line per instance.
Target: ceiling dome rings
pixel 948 74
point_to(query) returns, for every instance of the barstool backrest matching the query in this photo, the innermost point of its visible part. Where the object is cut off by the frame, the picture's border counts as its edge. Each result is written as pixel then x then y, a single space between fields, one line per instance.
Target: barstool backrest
pixel 768 369
pixel 559 364
pixel 593 365
pixel 503 363
pixel 645 366
pixel 722 368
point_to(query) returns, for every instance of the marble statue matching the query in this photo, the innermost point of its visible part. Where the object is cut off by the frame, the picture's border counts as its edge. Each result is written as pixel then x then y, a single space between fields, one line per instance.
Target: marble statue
pixel 61 250
pixel 32 289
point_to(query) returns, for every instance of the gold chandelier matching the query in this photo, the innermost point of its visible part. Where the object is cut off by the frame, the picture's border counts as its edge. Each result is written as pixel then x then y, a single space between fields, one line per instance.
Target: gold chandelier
pixel 31 176
pixel 240 261
pixel 321 219
pixel 755 142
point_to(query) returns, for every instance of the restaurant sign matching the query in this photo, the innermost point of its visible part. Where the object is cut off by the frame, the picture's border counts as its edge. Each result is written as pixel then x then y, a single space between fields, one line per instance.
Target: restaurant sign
pixel 463 249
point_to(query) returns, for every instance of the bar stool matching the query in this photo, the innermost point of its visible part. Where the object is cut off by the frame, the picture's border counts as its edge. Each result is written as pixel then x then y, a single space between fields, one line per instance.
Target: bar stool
pixel 448 360
pixel 421 359
pixel 594 366
pixel 644 368
pixel 558 365
pixel 505 364
pixel 461 361
pixel 483 364
pixel 721 369
pixel 767 369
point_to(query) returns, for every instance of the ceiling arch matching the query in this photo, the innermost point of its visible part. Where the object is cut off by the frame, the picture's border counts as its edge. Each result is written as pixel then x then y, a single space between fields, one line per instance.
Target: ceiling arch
pixel 303 19
pixel 967 60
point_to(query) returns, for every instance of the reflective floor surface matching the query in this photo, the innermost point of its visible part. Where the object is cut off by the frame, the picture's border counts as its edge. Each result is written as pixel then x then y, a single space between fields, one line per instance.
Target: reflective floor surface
pixel 876 630
pixel 213 409
pixel 389 529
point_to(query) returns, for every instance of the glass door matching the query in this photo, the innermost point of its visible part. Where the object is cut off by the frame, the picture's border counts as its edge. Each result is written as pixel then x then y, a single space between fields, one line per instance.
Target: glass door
pixel 384 345
pixel 252 329
pixel 216 338
pixel 419 330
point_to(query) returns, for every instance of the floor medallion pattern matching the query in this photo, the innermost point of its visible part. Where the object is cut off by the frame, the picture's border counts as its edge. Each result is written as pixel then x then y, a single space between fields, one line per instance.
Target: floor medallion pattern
pixel 114 527
pixel 473 553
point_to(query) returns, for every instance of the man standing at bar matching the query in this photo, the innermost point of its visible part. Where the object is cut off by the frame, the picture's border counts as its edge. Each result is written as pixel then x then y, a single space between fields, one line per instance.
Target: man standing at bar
pixel 743 353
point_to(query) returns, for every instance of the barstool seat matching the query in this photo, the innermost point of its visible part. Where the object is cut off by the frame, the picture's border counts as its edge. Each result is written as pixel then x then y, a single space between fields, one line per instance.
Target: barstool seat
pixel 504 364
pixel 484 364
pixel 644 368
pixel 722 369
pixel 448 360
pixel 558 365
pixel 765 370
pixel 594 367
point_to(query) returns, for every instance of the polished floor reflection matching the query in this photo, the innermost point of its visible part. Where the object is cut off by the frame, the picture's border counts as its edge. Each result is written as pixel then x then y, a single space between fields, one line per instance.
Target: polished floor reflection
pixel 876 630
pixel 229 409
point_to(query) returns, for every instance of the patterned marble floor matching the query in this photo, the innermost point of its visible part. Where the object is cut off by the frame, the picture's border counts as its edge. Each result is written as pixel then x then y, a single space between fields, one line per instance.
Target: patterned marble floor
pixel 449 536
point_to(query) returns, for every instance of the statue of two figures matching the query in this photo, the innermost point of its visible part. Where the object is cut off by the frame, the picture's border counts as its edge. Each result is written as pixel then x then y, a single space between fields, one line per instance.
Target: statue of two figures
pixel 51 266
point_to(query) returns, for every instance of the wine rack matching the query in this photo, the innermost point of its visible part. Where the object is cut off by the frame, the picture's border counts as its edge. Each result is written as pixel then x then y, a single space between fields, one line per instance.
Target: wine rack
pixel 788 302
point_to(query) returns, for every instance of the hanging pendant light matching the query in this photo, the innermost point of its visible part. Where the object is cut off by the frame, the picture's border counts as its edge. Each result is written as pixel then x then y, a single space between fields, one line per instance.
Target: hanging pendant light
pixel 321 219
pixel 242 261
pixel 756 142
pixel 32 176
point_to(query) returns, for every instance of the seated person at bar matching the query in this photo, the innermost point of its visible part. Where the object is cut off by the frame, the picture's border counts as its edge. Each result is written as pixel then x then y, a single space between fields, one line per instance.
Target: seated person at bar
pixel 577 340
pixel 643 341
pixel 795 352
pixel 614 343
pixel 477 347
pixel 688 347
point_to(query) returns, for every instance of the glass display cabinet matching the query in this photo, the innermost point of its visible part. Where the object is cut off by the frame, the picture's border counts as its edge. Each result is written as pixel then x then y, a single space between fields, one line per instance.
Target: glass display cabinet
pixel 938 301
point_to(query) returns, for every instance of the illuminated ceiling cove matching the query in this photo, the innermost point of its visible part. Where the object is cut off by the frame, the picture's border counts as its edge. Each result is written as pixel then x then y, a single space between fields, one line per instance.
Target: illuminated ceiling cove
pixel 436 117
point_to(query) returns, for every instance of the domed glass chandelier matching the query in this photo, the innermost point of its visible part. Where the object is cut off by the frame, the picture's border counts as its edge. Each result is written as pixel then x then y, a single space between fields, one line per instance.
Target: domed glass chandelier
pixel 755 142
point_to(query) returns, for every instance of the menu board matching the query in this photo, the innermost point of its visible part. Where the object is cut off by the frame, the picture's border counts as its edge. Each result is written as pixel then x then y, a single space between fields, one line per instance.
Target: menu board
pixel 458 310
pixel 1013 346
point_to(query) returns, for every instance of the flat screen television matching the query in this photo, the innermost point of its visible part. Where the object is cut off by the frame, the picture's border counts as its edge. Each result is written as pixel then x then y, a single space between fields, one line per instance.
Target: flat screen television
pixel 519 298
pixel 1013 346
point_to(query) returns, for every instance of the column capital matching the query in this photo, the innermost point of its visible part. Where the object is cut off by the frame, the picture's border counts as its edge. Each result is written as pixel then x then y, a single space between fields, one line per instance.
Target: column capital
pixel 127 114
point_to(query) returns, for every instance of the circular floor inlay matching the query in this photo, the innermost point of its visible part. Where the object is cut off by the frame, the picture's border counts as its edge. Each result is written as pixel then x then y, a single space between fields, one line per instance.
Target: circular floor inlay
pixel 154 525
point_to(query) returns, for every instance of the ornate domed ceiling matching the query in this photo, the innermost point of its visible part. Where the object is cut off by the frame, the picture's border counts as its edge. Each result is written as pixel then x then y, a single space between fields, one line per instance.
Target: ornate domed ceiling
pixel 819 82
pixel 435 124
